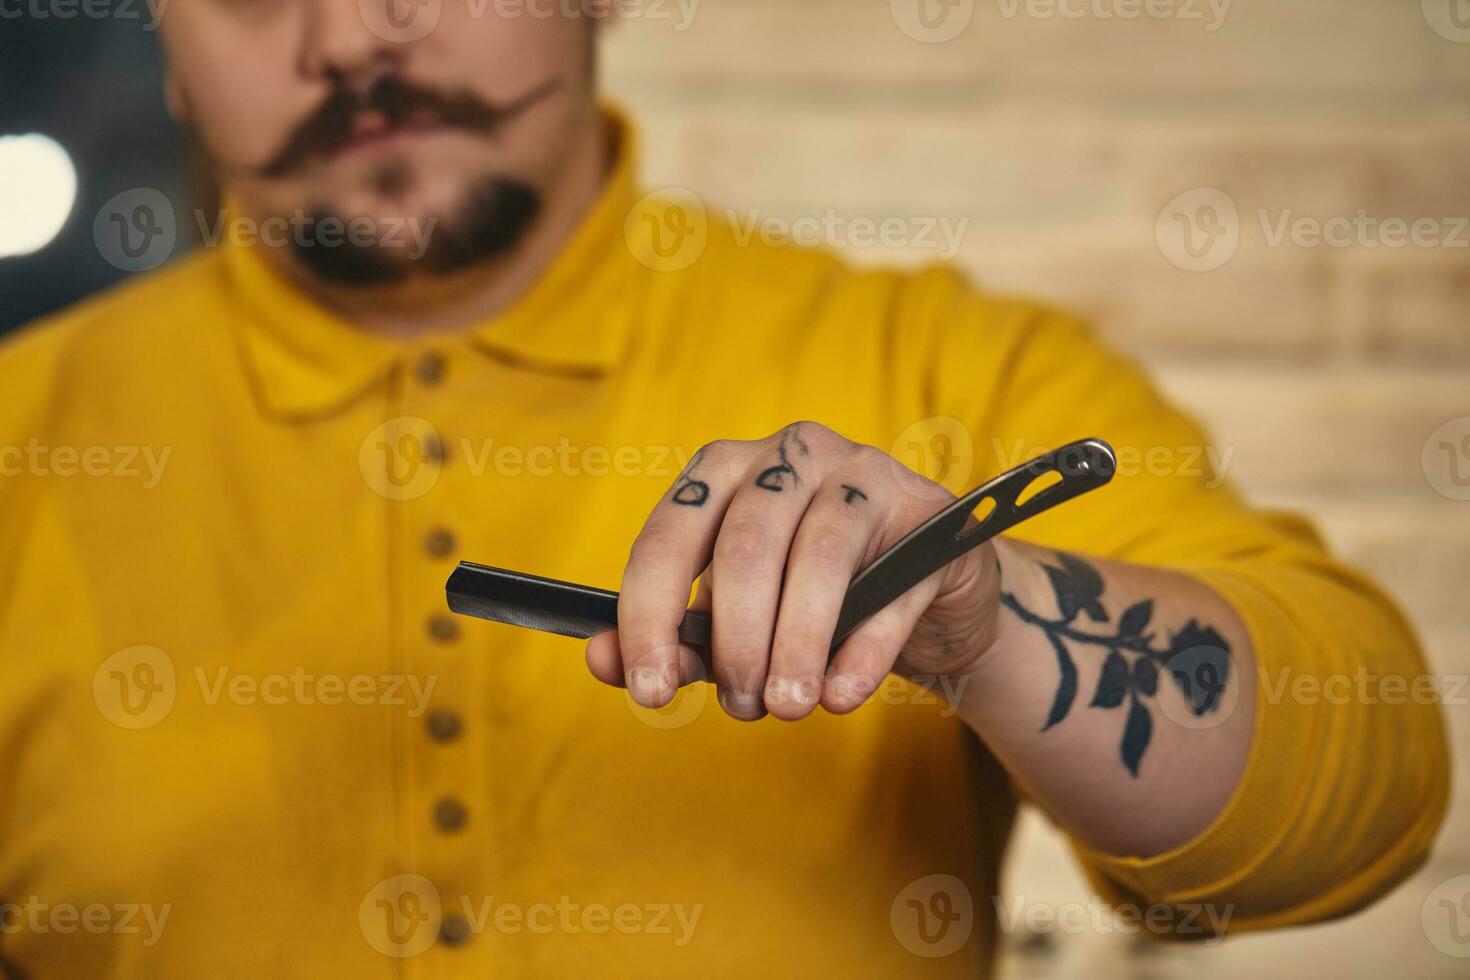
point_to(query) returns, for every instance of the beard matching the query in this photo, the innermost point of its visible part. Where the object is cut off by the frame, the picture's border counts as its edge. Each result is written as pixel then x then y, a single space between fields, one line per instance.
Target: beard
pixel 492 218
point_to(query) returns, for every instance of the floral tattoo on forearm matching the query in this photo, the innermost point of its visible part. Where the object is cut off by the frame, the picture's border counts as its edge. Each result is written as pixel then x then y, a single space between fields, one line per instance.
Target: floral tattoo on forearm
pixel 1196 657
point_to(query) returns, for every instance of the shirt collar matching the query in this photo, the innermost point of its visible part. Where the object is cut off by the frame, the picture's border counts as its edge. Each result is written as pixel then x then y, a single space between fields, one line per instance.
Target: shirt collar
pixel 305 361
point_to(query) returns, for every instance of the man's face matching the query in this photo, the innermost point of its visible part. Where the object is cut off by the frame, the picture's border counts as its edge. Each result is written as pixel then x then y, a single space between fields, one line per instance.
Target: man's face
pixel 456 114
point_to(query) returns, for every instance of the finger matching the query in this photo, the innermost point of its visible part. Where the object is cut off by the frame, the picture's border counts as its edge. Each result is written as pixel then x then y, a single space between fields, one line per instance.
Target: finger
pixel 673 546
pixel 750 556
pixel 838 532
pixel 605 657
pixel 605 660
pixel 865 658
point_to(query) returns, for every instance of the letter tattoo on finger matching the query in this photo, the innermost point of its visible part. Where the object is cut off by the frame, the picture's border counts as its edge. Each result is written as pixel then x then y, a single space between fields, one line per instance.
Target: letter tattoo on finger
pixel 773 478
pixel 688 491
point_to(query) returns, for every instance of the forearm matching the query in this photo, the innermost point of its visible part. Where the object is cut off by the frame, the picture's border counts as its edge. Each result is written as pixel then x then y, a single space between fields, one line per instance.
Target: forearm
pixel 1087 708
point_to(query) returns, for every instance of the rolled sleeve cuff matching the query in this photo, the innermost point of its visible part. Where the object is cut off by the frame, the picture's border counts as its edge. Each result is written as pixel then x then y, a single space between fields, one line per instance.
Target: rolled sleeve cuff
pixel 1269 794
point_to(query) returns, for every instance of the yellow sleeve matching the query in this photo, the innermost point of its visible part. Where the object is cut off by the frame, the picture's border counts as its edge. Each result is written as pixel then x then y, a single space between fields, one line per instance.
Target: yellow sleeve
pixel 1346 787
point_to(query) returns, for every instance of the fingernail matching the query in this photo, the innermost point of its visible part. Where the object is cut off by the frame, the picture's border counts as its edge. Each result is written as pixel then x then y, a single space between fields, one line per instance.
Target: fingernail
pixel 790 690
pixel 740 703
pixel 847 688
pixel 646 685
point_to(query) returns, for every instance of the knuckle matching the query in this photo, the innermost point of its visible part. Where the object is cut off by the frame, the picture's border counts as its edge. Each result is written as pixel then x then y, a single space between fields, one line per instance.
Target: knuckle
pixel 720 451
pixel 825 436
pixel 815 429
pixel 656 543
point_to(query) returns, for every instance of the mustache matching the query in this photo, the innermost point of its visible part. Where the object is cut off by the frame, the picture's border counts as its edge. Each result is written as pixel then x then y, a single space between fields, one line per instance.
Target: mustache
pixel 399 101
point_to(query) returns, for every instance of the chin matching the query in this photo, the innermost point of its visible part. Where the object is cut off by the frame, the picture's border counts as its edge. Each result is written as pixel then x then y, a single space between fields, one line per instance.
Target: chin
pixel 386 238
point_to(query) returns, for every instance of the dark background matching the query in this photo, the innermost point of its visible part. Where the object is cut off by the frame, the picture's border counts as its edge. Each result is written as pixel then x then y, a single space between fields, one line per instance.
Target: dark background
pixel 94 85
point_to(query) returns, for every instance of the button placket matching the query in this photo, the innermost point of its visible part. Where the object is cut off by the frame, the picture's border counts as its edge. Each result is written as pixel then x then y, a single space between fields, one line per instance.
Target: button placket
pixel 431 545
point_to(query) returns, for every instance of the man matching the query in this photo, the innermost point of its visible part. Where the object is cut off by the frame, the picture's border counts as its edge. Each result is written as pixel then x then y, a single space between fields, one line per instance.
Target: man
pixel 245 737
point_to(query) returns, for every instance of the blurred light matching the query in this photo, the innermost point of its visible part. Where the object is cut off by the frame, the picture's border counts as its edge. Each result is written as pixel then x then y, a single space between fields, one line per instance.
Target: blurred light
pixel 38 187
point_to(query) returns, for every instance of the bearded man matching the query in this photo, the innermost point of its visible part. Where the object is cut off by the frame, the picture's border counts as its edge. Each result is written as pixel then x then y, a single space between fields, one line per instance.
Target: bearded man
pixel 245 737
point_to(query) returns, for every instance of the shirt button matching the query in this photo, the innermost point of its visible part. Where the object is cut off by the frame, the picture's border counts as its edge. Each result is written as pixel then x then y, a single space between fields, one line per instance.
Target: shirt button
pixel 430 368
pixel 444 725
pixel 443 628
pixel 453 930
pixel 439 542
pixel 449 814
pixel 433 449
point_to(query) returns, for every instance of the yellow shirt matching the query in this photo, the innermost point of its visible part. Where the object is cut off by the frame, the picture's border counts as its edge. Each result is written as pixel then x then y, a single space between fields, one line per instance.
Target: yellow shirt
pixel 243 737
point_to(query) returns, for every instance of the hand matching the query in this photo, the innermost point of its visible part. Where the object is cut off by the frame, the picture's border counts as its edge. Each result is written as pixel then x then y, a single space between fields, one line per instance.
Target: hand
pixel 775 529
